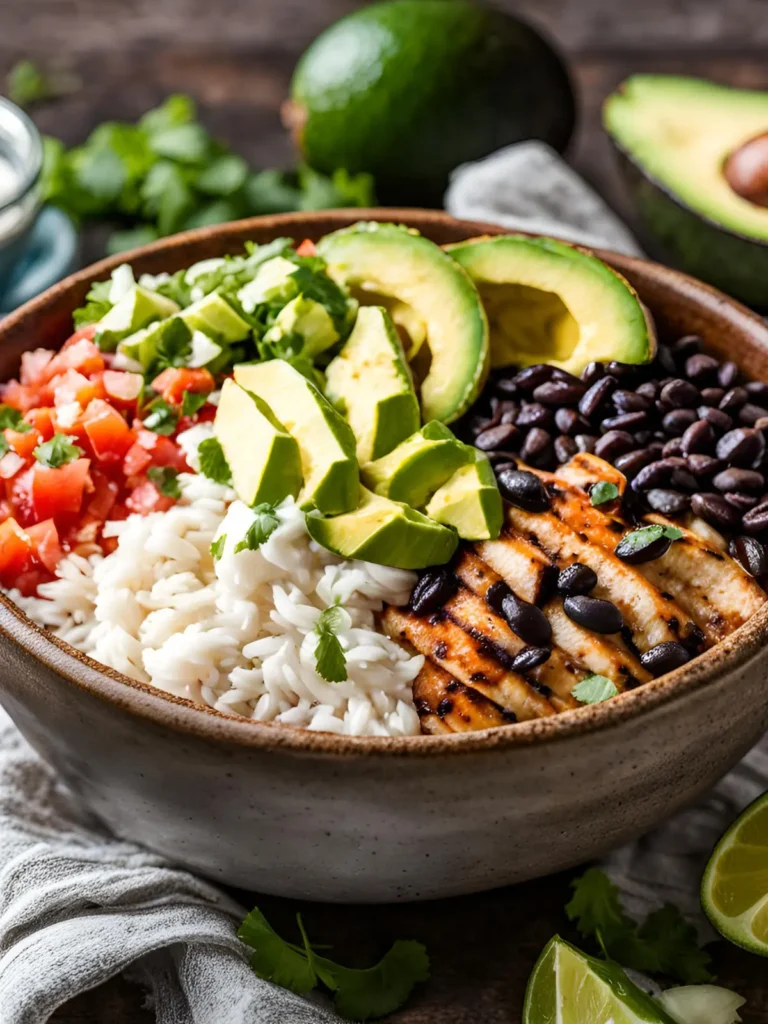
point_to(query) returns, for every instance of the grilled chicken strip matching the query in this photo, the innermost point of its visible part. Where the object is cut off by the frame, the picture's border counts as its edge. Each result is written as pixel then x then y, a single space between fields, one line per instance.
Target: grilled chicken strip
pixel 515 558
pixel 466 659
pixel 457 708
pixel 584 469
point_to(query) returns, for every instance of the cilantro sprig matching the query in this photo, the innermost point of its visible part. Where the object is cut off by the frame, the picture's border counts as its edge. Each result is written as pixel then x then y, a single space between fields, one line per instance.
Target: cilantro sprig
pixel 162 418
pixel 213 461
pixel 261 529
pixel 330 660
pixel 357 994
pixel 57 452
pixel 665 943
pixel 13 419
pixel 594 689
pixel 603 492
pixel 166 480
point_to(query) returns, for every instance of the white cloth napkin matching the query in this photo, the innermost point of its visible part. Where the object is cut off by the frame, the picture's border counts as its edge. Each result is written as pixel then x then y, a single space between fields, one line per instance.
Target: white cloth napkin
pixel 78 906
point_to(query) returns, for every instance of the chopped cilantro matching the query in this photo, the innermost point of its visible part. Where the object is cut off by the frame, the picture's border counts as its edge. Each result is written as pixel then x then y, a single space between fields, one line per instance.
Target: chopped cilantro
pixel 166 480
pixel 602 492
pixel 97 304
pixel 213 462
pixel 173 346
pixel 330 660
pixel 10 417
pixel 357 994
pixel 636 542
pixel 594 689
pixel 57 452
pixel 162 418
pixel 217 547
pixel 192 402
pixel 261 529
pixel 664 944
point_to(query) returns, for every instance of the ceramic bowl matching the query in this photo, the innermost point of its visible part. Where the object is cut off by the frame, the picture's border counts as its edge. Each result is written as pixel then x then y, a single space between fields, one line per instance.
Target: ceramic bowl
pixel 323 817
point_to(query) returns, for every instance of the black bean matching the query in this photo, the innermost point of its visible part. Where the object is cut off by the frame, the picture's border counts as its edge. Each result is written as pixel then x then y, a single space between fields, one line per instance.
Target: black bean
pixel 625 421
pixel 524 490
pixel 701 368
pixel 585 442
pixel 733 399
pixel 529 658
pixel 743 502
pixel 630 401
pixel 478 424
pixel 735 479
pixel 506 387
pixel 613 444
pixel 756 520
pixel 656 448
pixel 715 510
pixel 657 473
pixel 712 396
pixel 669 503
pixel 686 346
pixel 680 394
pixel 595 396
pixel 534 414
pixel 432 591
pixel 703 465
pixel 727 375
pixel 749 414
pixel 593 613
pixel 560 374
pixel 496 437
pixel 665 657
pixel 537 449
pixel 698 438
pixel 677 421
pixel 497 458
pixel 576 579
pixel 720 420
pixel 665 361
pixel 631 463
pixel 750 554
pixel 559 392
pixel 592 372
pixel 570 422
pixel 511 413
pixel 621 371
pixel 530 378
pixel 501 467
pixel 565 449
pixel 495 595
pixel 649 389
pixel 741 447
pixel 757 389
pixel 672 448
pixel 527 621
pixel 636 551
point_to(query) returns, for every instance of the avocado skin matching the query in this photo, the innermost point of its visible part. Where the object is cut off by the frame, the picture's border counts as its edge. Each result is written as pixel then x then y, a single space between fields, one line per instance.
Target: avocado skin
pixel 454 82
pixel 735 264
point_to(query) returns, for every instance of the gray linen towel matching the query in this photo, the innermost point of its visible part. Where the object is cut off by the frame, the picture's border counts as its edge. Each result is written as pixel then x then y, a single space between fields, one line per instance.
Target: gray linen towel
pixel 78 906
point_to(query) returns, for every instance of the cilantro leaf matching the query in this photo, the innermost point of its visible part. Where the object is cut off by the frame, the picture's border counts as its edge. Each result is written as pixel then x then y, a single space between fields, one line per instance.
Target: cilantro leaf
pixel 192 402
pixel 674 945
pixel 602 492
pixel 217 547
pixel 97 304
pixel 223 176
pixel 166 480
pixel 172 347
pixel 162 418
pixel 213 462
pixel 57 452
pixel 27 84
pixel 273 958
pixel 330 660
pixel 10 417
pixel 261 529
pixel 636 541
pixel 594 689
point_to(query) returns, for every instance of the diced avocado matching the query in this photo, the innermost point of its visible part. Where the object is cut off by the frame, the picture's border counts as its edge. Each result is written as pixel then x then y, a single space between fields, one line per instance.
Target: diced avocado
pixel 470 502
pixel 370 383
pixel 274 281
pixel 204 350
pixel 309 319
pixel 692 154
pixel 214 316
pixel 386 532
pixel 143 345
pixel 325 439
pixel 383 265
pixel 414 470
pixel 550 302
pixel 262 455
pixel 135 310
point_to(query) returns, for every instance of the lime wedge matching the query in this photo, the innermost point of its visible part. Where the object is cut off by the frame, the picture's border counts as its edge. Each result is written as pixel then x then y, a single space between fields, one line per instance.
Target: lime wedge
pixel 569 987
pixel 734 891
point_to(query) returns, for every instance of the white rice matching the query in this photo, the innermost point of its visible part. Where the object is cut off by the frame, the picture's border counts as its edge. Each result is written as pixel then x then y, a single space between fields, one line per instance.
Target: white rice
pixel 237 634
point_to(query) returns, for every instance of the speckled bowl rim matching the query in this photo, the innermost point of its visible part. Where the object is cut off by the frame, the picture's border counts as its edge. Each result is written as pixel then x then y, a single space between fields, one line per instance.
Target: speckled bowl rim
pixel 184 716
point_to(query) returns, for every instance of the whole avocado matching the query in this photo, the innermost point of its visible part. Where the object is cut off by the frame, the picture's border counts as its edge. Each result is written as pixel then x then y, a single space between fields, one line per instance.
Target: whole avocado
pixel 409 89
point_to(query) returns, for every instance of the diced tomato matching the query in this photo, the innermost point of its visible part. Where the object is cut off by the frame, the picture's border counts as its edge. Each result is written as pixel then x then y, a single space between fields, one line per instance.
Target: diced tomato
pixel 5 510
pixel 24 443
pixel 173 382
pixel 45 542
pixel 42 420
pixel 33 365
pixel 58 491
pixel 88 332
pixel 122 388
pixel 146 498
pixel 81 355
pixel 163 451
pixel 19 396
pixel 109 435
pixel 136 460
pixel 19 491
pixel 307 248
pixel 10 465
pixel 102 501
pixel 72 386
pixel 15 552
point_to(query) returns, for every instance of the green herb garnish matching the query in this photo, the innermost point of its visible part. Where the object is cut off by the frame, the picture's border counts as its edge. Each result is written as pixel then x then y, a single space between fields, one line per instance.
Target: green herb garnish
pixel 12 419
pixel 636 542
pixel 97 304
pixel 217 547
pixel 192 402
pixel 213 462
pixel 57 452
pixel 261 529
pixel 330 660
pixel 165 480
pixel 594 689
pixel 162 419
pixel 357 994
pixel 602 492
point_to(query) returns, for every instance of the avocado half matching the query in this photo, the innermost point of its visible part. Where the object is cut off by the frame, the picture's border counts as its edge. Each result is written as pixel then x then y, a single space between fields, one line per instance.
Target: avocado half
pixel 409 89
pixel 548 301
pixel 431 300
pixel 682 145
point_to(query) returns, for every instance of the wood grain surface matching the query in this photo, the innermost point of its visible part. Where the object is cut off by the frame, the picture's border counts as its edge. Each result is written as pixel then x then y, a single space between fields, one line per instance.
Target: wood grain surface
pixel 236 57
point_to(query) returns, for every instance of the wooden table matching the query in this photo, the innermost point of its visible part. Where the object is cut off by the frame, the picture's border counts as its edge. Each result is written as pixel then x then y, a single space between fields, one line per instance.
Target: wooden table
pixel 236 59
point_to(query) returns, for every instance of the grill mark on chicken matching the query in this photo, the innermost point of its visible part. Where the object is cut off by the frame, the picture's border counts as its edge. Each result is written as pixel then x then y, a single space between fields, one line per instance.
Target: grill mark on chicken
pixel 518 558
pixel 459 708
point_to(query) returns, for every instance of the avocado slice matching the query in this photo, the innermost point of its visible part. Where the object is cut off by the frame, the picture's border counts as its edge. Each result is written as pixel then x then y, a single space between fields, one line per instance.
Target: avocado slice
pixel 273 282
pixel 685 155
pixel 548 301
pixel 268 466
pixel 414 470
pixel 470 502
pixel 135 310
pixel 309 319
pixel 385 264
pixel 214 316
pixel 325 439
pixel 370 383
pixel 386 532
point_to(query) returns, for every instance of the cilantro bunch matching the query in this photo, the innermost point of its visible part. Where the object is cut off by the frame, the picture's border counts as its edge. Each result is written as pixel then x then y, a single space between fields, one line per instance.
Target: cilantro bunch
pixel 166 174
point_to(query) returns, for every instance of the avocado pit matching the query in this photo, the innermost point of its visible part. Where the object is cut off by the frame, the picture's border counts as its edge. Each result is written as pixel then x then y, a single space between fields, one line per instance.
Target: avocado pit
pixel 746 170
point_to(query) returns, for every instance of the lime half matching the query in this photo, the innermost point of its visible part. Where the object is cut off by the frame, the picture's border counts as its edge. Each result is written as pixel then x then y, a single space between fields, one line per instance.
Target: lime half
pixel 569 987
pixel 734 891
